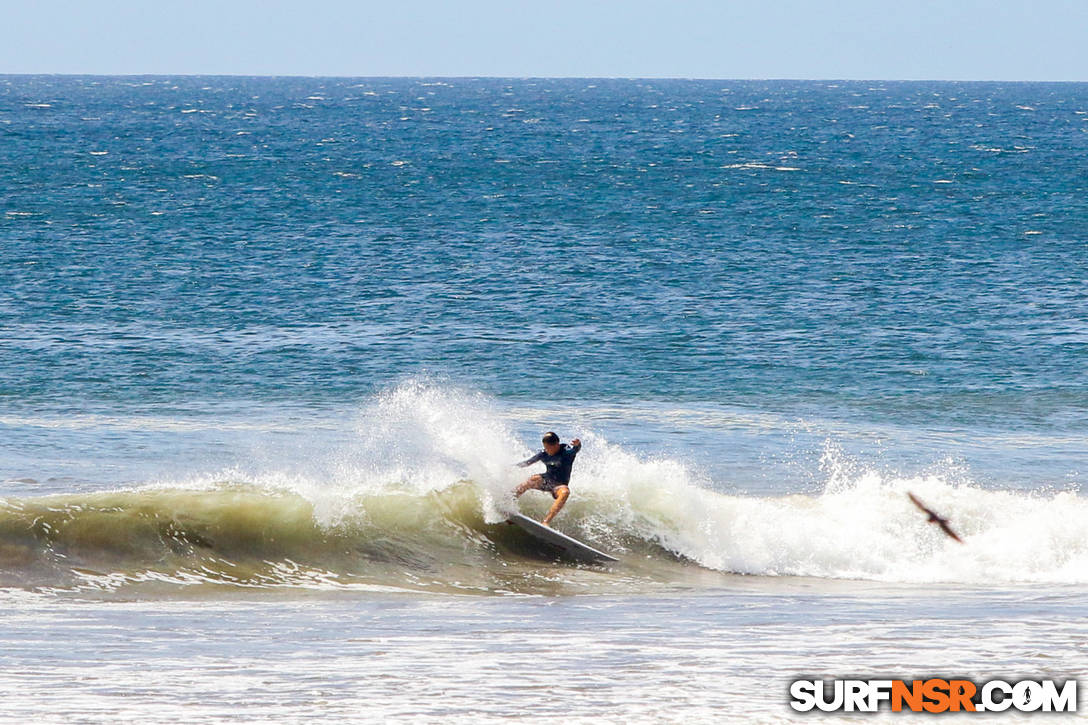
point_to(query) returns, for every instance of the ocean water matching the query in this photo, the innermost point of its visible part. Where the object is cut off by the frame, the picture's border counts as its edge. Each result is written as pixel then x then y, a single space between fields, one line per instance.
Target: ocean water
pixel 269 347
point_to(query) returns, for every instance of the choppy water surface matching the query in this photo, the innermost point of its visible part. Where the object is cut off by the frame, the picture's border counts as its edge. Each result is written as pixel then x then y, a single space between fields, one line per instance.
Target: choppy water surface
pixel 268 348
pixel 699 655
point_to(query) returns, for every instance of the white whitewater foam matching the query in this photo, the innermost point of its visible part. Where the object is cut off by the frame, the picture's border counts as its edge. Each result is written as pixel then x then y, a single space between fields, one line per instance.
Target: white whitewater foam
pixel 857 524
pixel 859 527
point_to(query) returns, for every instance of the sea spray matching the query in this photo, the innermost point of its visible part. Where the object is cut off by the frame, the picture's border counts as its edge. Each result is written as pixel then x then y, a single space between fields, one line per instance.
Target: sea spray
pixel 421 489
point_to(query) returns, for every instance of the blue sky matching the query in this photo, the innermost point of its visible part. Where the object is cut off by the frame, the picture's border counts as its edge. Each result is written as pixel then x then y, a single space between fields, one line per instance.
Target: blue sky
pixel 868 39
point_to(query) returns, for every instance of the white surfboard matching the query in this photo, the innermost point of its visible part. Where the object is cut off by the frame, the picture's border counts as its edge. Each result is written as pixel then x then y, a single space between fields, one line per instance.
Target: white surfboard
pixel 569 544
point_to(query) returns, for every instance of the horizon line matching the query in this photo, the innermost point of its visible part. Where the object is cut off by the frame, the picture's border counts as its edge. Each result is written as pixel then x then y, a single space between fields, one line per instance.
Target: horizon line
pixel 536 77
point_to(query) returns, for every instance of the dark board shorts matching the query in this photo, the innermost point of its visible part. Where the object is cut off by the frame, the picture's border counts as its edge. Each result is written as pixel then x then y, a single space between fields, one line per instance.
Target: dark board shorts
pixel 549 484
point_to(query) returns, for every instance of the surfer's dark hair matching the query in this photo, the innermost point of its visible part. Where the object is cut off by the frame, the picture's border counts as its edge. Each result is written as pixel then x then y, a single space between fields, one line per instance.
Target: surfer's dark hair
pixel 550 438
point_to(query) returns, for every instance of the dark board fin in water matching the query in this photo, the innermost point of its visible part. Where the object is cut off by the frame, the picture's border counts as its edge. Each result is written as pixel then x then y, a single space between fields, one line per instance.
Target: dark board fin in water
pixel 572 546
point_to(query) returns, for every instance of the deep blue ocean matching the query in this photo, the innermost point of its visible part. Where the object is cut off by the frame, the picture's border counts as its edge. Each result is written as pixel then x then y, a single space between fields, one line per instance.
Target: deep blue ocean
pixel 287 335
pixel 908 251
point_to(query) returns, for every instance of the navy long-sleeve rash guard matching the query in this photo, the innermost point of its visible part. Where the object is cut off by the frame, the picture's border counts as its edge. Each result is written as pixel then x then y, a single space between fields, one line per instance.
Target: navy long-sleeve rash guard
pixel 558 465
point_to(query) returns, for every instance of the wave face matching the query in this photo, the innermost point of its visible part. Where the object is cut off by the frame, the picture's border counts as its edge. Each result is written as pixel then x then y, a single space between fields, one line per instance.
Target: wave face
pixel 418 503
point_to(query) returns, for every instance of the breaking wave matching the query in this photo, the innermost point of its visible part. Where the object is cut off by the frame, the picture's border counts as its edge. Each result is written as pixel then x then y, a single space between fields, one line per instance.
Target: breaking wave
pixel 420 504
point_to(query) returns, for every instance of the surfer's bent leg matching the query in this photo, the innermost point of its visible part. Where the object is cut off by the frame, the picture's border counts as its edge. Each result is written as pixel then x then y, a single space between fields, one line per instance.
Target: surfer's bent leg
pixel 532 482
pixel 561 494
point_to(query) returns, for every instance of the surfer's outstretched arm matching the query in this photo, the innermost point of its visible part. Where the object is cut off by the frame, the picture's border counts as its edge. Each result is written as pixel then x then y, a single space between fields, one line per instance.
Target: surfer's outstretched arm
pixel 530 461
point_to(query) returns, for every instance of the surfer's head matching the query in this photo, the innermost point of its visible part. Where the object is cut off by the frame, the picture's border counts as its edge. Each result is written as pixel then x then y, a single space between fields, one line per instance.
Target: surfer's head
pixel 551 443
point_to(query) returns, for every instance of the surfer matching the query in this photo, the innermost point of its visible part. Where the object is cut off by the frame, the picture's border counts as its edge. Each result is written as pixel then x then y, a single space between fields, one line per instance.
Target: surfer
pixel 558 459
